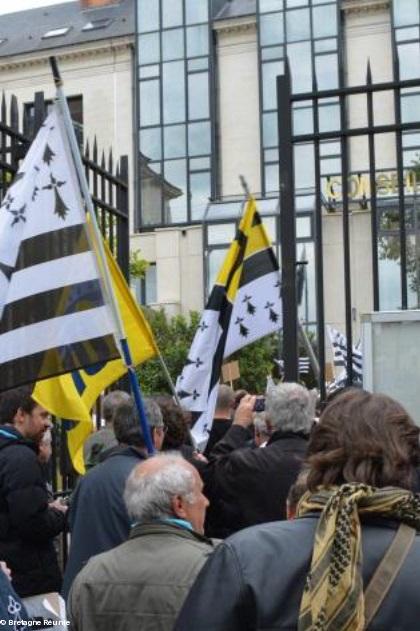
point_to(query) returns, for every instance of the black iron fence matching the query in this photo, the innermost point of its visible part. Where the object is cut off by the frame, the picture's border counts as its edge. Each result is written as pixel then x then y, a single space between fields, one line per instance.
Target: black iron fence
pixel 389 194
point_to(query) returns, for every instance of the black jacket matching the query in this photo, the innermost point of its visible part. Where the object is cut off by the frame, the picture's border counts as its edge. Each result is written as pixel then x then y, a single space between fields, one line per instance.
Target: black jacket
pixel 218 429
pixel 98 517
pixel 27 525
pixel 256 578
pixel 249 485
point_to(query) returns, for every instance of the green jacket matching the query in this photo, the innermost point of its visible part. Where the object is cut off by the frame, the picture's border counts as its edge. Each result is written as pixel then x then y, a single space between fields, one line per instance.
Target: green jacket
pixel 141 584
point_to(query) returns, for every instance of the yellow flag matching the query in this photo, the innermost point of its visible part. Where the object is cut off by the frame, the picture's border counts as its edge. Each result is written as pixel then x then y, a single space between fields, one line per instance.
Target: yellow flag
pixel 72 395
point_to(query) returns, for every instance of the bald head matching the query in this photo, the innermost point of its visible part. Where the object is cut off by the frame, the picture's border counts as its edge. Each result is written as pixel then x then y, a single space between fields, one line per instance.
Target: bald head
pixel 163 487
pixel 225 401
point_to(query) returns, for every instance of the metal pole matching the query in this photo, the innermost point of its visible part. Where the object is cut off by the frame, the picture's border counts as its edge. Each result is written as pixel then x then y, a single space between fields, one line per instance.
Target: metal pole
pixel 100 253
pixel 169 379
pixel 319 252
pixel 372 195
pixel 287 227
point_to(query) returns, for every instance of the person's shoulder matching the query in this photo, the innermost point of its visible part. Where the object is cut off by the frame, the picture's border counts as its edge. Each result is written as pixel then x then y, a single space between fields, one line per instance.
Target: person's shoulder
pixel 18 452
pixel 98 565
pixel 275 533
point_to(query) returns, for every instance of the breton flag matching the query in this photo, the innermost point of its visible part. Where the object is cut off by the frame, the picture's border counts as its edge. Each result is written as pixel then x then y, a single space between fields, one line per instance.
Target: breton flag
pixel 304 365
pixel 53 314
pixel 244 305
pixel 72 395
pixel 339 344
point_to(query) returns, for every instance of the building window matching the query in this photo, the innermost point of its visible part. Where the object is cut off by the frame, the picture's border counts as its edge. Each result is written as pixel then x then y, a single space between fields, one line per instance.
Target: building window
pixel 307 33
pixel 56 32
pixel 173 55
pixel 75 104
pixel 145 289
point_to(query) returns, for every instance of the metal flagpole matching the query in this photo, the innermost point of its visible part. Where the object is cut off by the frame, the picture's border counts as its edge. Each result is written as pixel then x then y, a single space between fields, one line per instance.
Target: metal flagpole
pixel 169 379
pixel 124 348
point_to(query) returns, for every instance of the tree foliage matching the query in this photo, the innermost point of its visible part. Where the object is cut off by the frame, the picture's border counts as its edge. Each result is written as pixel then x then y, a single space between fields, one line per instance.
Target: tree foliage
pixel 389 244
pixel 174 337
pixel 138 265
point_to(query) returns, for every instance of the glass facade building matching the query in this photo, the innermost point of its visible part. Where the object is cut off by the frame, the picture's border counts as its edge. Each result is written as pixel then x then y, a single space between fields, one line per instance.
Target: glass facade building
pixel 174 85
pixel 179 126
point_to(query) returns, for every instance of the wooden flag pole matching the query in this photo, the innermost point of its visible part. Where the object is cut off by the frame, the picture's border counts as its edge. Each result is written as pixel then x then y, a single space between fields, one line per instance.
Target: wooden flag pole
pixel 100 253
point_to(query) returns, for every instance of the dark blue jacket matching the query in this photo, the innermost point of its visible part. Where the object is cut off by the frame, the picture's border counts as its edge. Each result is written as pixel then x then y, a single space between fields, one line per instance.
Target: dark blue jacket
pixel 12 610
pixel 27 525
pixel 98 517
pixel 256 577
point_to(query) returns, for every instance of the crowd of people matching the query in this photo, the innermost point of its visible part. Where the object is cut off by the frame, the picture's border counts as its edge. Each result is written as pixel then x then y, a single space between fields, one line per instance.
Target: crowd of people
pixel 286 521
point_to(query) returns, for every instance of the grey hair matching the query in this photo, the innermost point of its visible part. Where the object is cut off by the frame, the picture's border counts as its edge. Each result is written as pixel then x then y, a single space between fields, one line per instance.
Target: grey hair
pixel 260 424
pixel 225 398
pixel 148 496
pixel 111 401
pixel 127 427
pixel 290 407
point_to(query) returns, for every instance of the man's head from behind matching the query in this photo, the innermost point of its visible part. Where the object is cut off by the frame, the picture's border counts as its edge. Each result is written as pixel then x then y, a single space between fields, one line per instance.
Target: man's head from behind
pixel 17 408
pixel 289 407
pixel 225 402
pixel 110 402
pixel 127 427
pixel 163 487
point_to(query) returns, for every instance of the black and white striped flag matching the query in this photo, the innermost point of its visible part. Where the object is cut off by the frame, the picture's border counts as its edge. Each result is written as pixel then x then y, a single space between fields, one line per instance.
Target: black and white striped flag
pixel 304 365
pixel 53 314
pixel 339 344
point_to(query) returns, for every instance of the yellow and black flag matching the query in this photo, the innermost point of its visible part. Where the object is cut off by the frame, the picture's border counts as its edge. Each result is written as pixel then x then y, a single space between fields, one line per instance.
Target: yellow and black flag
pixel 244 305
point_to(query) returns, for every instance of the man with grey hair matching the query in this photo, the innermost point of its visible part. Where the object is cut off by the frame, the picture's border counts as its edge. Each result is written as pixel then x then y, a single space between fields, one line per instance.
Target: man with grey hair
pixel 98 519
pixel 103 439
pixel 142 583
pixel 254 483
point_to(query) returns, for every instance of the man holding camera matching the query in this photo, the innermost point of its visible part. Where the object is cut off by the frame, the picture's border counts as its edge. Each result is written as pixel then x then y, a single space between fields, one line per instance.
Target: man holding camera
pixel 255 482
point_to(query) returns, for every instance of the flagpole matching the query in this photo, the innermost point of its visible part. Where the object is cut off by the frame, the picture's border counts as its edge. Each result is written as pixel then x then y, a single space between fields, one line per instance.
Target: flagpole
pixel 100 250
pixel 169 378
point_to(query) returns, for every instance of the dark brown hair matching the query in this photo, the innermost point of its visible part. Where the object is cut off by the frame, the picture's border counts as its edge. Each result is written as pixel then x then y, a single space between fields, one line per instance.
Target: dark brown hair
pixel 363 437
pixel 12 400
pixel 176 423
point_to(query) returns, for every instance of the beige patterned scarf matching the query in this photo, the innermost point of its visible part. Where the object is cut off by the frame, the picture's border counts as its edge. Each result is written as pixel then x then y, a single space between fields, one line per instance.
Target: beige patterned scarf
pixel 333 595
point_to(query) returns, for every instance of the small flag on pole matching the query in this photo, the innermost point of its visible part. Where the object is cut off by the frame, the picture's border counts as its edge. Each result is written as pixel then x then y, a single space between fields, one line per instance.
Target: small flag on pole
pixel 243 306
pixel 53 313
pixel 339 344
pixel 304 365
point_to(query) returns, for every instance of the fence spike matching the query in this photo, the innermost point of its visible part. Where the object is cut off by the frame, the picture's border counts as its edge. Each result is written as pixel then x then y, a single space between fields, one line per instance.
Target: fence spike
pixel 314 82
pixel 111 162
pixel 14 113
pixel 95 150
pixel 87 150
pixel 103 160
pixel 3 108
pixel 368 73
pixel 396 63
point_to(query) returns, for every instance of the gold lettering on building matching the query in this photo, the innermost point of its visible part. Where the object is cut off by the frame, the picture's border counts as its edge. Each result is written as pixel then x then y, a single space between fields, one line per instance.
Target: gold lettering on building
pixel 359 185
